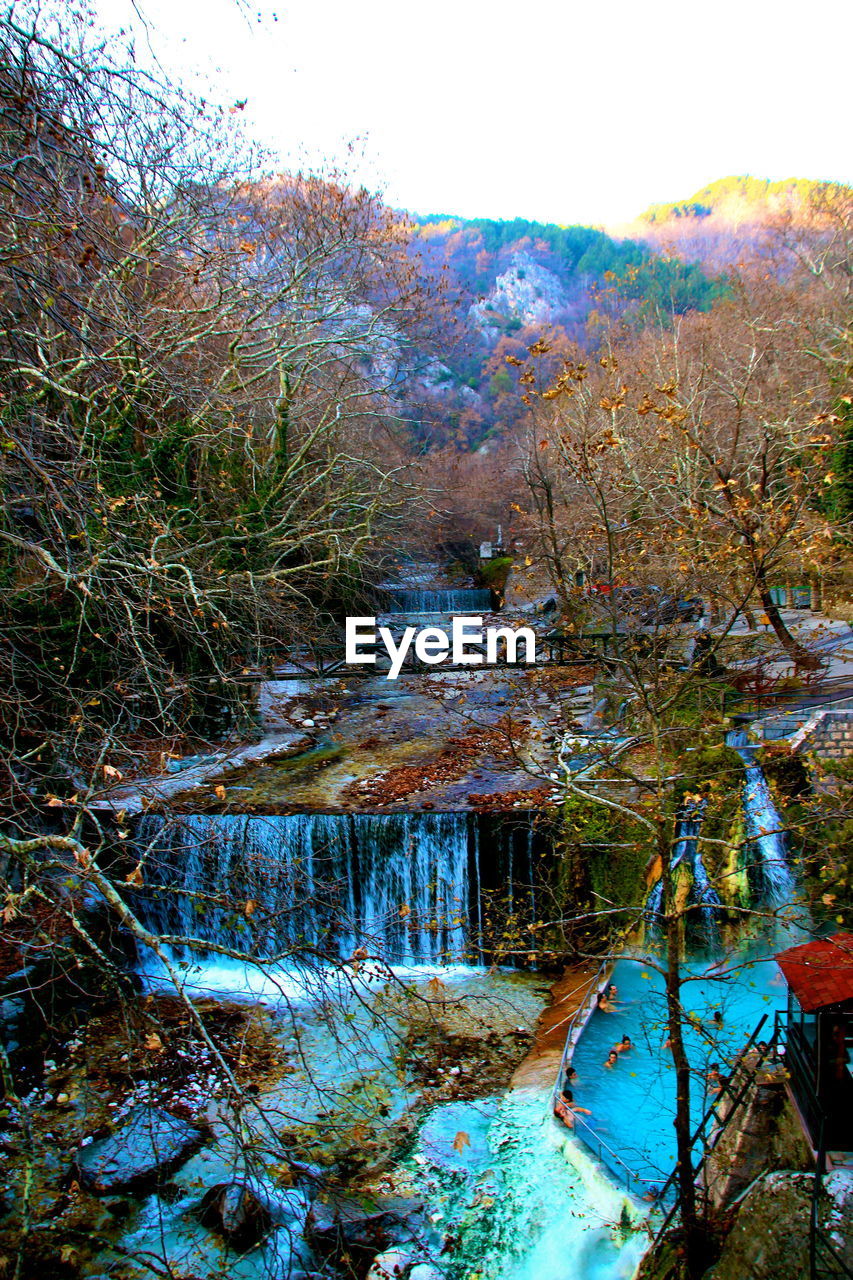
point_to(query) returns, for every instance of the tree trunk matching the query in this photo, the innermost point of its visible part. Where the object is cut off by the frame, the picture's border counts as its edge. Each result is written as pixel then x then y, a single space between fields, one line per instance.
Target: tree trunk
pixel 798 654
pixel 281 443
pixel 690 1225
pixel 553 556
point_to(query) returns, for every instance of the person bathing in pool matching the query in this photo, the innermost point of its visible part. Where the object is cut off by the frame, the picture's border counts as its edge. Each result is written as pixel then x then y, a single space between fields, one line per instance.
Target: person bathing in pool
pixel 565 1108
pixel 612 1058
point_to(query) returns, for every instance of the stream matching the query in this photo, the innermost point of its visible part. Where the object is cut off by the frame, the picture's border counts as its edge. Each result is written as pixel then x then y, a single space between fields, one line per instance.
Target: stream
pixel 368 939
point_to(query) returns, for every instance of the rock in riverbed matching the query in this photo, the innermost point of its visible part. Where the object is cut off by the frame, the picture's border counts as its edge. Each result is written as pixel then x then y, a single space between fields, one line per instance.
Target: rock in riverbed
pixel 338 1224
pixel 145 1148
pixel 235 1211
pixel 246 1211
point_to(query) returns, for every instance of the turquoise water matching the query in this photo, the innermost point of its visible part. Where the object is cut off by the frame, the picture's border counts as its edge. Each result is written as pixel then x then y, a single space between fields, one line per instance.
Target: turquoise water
pixel 633 1103
pixel 521 1198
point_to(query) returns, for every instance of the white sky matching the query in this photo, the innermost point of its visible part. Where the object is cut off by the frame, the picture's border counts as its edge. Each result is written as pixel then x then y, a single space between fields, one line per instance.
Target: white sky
pixel 562 112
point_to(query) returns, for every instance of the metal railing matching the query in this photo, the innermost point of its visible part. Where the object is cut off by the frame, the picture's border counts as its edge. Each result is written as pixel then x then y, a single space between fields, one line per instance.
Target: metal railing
pixel 583 1131
pixel 825 1262
pixel 607 1155
pixel 799 1069
pixel 736 1094
pixel 824 1259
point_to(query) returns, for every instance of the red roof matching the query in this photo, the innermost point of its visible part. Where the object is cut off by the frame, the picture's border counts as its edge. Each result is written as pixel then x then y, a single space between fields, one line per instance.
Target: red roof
pixel 820 973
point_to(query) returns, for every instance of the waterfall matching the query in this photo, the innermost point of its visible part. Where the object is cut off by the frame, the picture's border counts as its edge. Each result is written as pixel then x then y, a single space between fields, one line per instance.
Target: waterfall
pixel 396 885
pixel 416 888
pixel 703 892
pixel 469 600
pixel 769 874
pixel 768 871
pixel 687 851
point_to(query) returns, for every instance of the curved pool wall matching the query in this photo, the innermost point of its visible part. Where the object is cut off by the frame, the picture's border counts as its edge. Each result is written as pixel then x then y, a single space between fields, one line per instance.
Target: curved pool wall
pixel 408 888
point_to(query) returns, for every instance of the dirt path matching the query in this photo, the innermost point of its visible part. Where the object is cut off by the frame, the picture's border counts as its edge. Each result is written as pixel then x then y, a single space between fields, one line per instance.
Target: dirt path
pixel 538 1071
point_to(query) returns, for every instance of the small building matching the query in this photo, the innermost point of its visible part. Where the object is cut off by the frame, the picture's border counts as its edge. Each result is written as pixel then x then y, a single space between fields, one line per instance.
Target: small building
pixel 819 1039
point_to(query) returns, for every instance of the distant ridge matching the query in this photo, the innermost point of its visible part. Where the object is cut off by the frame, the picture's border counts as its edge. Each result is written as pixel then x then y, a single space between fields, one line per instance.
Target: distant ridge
pixel 741 195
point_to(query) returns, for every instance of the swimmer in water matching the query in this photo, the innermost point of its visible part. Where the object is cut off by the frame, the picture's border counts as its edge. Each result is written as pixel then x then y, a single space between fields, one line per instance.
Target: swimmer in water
pixel 612 1058
pixel 566 1108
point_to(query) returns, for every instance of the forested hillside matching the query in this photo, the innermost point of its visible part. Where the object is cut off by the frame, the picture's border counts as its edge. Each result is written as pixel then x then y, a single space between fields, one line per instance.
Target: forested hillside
pixel 507 283
pixel 735 220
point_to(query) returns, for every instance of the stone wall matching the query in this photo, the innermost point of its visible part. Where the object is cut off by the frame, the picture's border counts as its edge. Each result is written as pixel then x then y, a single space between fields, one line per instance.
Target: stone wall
pixel 770 1237
pixel 828 733
pixel 764 1135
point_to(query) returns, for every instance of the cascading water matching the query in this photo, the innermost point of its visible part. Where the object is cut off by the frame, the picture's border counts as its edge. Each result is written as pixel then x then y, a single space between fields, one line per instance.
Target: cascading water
pixel 654 902
pixel 702 894
pixel 469 600
pixel 525 1200
pixel 409 888
pixel 769 873
pixel 396 885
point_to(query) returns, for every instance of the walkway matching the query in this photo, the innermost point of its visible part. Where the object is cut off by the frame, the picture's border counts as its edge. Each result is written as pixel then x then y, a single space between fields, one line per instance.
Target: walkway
pixel 539 1069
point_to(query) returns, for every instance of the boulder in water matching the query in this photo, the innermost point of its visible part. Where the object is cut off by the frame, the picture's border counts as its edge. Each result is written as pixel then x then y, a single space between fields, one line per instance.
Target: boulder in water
pixel 391 1264
pixel 233 1209
pixel 337 1224
pixel 244 1210
pixel 144 1149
